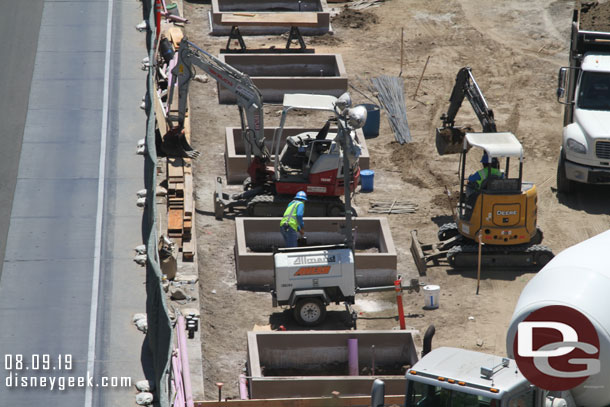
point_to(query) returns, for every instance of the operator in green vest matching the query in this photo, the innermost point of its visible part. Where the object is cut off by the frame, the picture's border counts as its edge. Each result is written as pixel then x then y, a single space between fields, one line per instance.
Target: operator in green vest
pixel 292 222
pixel 489 168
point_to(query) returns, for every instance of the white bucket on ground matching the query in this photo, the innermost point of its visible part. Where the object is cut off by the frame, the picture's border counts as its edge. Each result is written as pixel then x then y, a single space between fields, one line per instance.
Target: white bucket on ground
pixel 431 296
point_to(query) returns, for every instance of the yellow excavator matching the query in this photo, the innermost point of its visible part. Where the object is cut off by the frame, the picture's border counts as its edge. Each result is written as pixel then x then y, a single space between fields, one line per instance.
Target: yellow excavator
pixel 499 210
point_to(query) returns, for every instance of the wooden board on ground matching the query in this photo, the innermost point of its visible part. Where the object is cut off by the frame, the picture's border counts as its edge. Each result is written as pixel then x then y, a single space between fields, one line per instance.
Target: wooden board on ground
pixel 298 19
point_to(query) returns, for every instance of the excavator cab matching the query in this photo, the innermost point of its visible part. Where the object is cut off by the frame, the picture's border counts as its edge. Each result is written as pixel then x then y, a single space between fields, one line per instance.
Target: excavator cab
pixel 499 205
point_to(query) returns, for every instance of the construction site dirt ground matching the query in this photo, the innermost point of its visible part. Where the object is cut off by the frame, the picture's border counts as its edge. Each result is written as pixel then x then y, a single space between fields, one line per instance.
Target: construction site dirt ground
pixel 515 49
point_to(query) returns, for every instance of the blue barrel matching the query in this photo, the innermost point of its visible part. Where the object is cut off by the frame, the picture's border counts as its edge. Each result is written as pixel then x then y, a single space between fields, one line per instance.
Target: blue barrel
pixel 367 180
pixel 371 127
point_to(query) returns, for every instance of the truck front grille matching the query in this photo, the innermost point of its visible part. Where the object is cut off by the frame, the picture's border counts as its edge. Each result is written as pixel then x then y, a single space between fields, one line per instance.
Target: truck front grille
pixel 602 149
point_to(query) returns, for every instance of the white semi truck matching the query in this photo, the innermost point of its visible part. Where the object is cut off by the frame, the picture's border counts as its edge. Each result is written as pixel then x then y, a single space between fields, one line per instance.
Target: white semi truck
pixel 579 279
pixel 584 89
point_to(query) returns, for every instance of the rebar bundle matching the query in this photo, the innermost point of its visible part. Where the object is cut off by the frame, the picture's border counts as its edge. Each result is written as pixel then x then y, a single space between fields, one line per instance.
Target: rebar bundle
pixel 391 97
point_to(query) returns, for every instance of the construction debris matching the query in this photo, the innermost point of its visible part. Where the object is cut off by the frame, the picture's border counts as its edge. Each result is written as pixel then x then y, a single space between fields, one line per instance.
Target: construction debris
pixel 392 207
pixel 363 4
pixel 140 322
pixel 145 385
pixel 144 399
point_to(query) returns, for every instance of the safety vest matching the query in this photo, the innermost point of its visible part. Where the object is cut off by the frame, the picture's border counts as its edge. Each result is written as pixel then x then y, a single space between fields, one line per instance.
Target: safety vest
pixel 290 215
pixel 483 175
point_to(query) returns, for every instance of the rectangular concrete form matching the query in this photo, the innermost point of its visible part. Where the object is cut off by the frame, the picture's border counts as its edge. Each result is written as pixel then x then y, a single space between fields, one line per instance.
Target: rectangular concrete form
pixel 313 364
pixel 236 162
pixel 375 257
pixel 228 7
pixel 277 74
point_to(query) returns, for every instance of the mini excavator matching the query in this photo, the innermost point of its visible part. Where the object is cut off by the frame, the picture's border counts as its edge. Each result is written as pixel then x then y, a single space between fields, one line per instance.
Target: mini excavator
pixel 311 162
pixel 501 212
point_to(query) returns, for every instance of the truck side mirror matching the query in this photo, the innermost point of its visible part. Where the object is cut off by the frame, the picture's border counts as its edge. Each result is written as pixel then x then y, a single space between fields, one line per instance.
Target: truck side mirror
pixel 561 81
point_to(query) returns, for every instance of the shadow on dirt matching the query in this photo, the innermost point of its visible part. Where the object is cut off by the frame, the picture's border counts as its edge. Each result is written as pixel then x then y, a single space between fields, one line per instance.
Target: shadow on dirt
pixel 592 199
pixel 495 274
pixel 442 219
pixel 335 320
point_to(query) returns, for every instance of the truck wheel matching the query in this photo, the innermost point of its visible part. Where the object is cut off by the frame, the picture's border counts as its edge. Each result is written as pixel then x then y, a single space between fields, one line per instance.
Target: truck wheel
pixel 564 185
pixel 310 312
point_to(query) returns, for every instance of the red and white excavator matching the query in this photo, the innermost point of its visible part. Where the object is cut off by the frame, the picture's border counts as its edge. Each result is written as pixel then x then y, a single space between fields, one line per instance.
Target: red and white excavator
pixel 310 161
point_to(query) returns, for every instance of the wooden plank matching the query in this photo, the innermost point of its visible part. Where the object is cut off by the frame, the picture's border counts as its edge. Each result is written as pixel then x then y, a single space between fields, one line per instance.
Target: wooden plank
pixel 188 249
pixel 360 401
pixel 174 220
pixel 187 121
pixel 174 168
pixel 187 167
pixel 188 195
pixel 287 19
pixel 160 114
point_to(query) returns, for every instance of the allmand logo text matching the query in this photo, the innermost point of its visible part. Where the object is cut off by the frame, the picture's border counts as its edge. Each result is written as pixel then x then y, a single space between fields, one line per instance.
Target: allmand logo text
pixel 557 348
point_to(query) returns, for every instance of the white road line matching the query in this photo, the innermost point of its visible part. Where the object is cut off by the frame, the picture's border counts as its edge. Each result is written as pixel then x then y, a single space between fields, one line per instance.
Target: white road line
pixel 97 256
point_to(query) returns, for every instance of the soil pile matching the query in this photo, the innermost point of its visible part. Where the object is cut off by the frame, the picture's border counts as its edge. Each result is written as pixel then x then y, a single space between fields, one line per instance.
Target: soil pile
pixel 595 16
pixel 354 19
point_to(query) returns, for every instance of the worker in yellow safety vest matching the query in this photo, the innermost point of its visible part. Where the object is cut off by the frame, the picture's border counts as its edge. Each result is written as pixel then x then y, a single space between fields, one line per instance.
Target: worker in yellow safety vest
pixel 292 222
pixel 489 168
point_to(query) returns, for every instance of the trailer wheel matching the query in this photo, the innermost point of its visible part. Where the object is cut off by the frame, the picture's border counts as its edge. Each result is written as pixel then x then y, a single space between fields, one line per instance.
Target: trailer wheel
pixel 310 311
pixel 564 185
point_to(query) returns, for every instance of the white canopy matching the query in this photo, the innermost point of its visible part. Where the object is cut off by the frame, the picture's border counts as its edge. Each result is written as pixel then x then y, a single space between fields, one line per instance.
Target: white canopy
pixel 495 144
pixel 310 102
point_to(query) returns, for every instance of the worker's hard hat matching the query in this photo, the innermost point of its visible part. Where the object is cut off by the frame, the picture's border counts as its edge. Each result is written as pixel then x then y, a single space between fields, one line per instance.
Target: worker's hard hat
pixel 301 195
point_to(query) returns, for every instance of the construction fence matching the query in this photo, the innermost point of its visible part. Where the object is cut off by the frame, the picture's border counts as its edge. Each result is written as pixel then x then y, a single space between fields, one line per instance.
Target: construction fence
pixel 160 334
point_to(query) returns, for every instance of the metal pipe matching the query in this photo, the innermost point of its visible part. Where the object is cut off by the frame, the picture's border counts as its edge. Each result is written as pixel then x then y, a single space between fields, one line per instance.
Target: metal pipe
pixel 177 380
pixel 277 137
pixel 352 356
pixel 373 360
pixel 243 387
pixel 401 310
pixel 186 372
pixel 347 178
pixel 463 174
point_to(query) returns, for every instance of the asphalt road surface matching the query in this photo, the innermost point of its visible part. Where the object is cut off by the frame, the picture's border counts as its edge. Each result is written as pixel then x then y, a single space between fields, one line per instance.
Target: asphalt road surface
pixel 70 120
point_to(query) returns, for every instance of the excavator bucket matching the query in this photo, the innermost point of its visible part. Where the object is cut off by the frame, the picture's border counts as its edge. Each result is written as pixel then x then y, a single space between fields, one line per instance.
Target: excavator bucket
pixel 174 144
pixel 450 140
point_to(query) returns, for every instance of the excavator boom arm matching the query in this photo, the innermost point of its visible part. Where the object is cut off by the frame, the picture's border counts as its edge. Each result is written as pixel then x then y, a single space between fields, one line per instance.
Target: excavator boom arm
pixel 466 86
pixel 249 97
pixel 449 138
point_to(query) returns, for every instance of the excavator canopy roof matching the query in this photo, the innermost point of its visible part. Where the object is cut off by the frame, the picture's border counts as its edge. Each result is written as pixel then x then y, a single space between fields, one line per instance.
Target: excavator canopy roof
pixel 309 102
pixel 495 144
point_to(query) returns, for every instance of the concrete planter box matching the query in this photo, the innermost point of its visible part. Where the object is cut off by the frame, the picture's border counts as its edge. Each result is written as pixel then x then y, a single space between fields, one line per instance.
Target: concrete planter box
pixel 220 7
pixel 236 162
pixel 277 74
pixel 256 237
pixel 315 356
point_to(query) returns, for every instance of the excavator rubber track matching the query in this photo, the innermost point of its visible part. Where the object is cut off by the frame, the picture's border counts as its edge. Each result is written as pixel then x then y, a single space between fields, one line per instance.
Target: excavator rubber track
pixel 460 253
pixel 499 257
pixel 275 205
